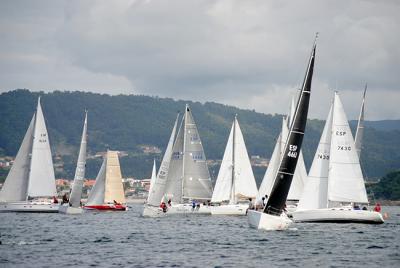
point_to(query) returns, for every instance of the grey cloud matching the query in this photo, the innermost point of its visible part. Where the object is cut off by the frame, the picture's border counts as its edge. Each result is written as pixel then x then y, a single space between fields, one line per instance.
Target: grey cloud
pixel 247 53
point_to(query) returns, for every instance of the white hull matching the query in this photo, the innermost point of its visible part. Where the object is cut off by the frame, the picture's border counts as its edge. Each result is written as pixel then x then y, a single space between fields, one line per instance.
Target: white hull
pixel 263 221
pixel 152 212
pixel 26 206
pixel 339 215
pixel 239 209
pixel 66 209
pixel 187 209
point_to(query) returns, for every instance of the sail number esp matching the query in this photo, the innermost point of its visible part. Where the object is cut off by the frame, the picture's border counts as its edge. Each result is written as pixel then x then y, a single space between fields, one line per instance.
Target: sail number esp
pixel 292 151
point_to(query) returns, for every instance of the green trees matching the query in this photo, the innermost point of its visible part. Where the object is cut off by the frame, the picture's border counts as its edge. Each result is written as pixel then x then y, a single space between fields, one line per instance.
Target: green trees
pixel 124 122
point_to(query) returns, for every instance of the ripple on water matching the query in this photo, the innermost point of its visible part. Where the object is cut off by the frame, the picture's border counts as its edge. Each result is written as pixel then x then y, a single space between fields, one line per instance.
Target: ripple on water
pixel 127 240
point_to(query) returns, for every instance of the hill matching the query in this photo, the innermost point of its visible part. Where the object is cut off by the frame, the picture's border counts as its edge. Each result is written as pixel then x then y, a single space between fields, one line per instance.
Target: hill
pixel 388 188
pixel 125 122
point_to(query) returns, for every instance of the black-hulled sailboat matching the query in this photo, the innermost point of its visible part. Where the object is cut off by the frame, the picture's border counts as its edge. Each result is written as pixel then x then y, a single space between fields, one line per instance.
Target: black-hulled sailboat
pixel 273 217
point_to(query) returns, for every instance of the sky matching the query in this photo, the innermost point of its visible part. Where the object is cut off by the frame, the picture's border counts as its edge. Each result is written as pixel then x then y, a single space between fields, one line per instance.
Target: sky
pixel 250 54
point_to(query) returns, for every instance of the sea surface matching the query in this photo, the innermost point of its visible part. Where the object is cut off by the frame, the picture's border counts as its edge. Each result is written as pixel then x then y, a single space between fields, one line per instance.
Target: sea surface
pixel 124 239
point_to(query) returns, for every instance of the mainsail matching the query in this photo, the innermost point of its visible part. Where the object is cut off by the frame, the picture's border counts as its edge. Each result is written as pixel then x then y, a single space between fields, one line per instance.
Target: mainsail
pixel 300 173
pixel 284 176
pixel 41 176
pixel 153 176
pixel 235 178
pixel 196 177
pixel 157 188
pixel 346 182
pixel 76 192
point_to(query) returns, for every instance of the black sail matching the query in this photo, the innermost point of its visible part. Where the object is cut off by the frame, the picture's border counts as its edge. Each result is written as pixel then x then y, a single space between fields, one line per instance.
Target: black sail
pixel 277 199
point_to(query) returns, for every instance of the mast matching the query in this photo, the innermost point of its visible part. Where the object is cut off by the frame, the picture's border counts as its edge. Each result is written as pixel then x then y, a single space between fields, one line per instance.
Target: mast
pixel 184 150
pixel 232 198
pixel 360 126
pixel 283 179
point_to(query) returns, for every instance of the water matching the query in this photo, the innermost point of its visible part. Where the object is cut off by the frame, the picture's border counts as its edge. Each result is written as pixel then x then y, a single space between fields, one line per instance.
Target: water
pixel 127 240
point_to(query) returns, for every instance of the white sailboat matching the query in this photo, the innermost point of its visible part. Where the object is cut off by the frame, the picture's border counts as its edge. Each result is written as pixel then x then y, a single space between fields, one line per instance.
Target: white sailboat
pixel 74 205
pixel 108 191
pixel 235 183
pixel 30 184
pixel 335 183
pixel 188 183
pixel 157 185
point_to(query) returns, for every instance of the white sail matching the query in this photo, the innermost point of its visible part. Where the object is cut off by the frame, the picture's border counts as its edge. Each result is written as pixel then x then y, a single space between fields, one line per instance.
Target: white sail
pixel 300 174
pixel 196 177
pixel 346 183
pixel 244 181
pixel 96 195
pixel 223 185
pixel 114 189
pixel 173 188
pixel 41 176
pixel 157 189
pixel 360 126
pixel 153 177
pixel 315 191
pixel 76 192
pixel 16 185
pixel 269 177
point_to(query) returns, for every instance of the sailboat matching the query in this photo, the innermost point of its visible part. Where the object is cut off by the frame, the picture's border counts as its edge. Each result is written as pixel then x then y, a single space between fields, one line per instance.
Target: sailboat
pixel 30 184
pixel 157 185
pixel 335 187
pixel 74 205
pixel 108 192
pixel 235 183
pixel 273 216
pixel 188 185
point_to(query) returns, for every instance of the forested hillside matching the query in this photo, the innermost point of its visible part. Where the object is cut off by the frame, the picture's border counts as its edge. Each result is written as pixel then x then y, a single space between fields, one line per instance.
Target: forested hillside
pixel 125 122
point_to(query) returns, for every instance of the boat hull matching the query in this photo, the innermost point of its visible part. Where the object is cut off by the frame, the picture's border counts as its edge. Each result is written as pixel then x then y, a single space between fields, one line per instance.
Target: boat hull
pixel 188 209
pixel 66 209
pixel 43 207
pixel 152 212
pixel 338 215
pixel 263 221
pixel 234 210
pixel 106 207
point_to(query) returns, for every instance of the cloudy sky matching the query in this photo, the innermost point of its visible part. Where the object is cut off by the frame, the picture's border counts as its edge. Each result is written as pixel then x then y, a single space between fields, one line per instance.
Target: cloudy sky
pixel 250 54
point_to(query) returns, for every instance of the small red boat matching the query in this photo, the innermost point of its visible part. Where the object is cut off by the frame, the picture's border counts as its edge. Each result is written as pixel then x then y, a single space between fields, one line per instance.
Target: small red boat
pixel 106 207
